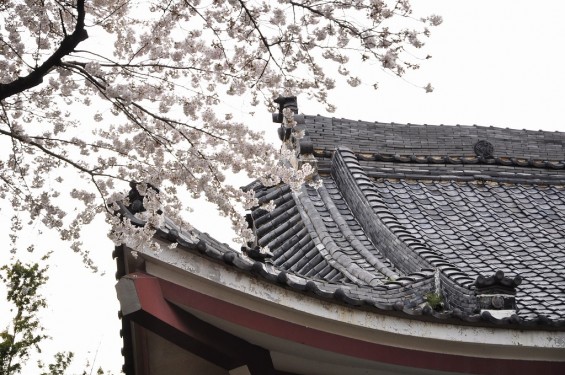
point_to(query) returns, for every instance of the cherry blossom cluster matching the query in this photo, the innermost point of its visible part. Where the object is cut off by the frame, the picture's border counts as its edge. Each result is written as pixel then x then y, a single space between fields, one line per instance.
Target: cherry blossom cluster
pixel 114 91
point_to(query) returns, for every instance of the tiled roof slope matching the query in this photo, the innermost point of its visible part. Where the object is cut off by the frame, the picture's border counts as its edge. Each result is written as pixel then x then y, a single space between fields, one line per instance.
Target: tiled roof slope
pixel 503 212
pixel 440 206
pixel 485 227
pixel 385 231
pixel 410 139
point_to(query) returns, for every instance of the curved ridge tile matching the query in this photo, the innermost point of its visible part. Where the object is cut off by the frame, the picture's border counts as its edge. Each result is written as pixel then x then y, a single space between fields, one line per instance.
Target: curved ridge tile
pixel 284 233
pixel 325 244
pixel 352 238
pixel 457 293
pixel 361 197
pixel 406 251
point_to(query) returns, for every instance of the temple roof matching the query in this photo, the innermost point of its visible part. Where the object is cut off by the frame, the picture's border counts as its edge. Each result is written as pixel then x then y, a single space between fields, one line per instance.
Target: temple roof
pixel 327 133
pixel 399 215
pixel 424 209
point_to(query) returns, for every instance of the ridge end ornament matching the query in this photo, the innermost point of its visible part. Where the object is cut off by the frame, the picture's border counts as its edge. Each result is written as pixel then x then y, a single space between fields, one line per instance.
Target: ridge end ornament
pixel 484 149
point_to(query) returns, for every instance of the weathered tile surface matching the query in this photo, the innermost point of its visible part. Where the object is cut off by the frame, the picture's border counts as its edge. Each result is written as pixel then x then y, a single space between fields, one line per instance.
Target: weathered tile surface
pixel 406 210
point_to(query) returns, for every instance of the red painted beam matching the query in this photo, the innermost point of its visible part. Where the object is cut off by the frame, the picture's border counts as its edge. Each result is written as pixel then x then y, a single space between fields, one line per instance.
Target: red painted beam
pixel 150 310
pixel 350 346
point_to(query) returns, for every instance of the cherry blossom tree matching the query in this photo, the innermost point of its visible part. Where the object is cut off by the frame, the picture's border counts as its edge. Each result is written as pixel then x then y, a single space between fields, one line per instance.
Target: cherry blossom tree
pixel 114 91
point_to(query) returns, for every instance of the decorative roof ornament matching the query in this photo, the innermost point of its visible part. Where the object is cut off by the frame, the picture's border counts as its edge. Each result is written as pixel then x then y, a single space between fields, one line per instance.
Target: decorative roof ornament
pixel 293 133
pixel 285 102
pixel 498 283
pixel 496 294
pixel 136 194
pixel 484 149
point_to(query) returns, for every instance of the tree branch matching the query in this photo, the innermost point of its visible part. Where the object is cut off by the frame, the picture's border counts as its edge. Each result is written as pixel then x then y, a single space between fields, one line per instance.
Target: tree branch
pixel 69 43
pixel 263 38
pixel 67 160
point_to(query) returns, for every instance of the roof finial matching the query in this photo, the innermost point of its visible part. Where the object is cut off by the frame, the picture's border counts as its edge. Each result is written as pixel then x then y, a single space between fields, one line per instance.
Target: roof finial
pixel 496 294
pixel 285 102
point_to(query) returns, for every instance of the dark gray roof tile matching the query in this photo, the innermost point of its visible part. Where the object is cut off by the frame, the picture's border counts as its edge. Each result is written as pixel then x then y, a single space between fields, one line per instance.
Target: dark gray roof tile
pixel 406 198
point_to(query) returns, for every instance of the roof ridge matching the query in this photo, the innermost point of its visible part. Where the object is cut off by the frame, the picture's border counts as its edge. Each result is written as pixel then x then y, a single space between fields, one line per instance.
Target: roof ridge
pixel 449 159
pixel 351 238
pixel 528 148
pixel 325 243
pixel 403 248
pixel 378 230
pixel 423 125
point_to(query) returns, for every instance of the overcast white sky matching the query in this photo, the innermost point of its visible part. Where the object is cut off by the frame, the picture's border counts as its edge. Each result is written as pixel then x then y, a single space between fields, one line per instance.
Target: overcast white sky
pixel 494 63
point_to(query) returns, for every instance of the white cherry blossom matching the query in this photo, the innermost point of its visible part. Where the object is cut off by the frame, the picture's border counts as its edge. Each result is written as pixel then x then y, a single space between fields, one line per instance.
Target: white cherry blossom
pixel 118 91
